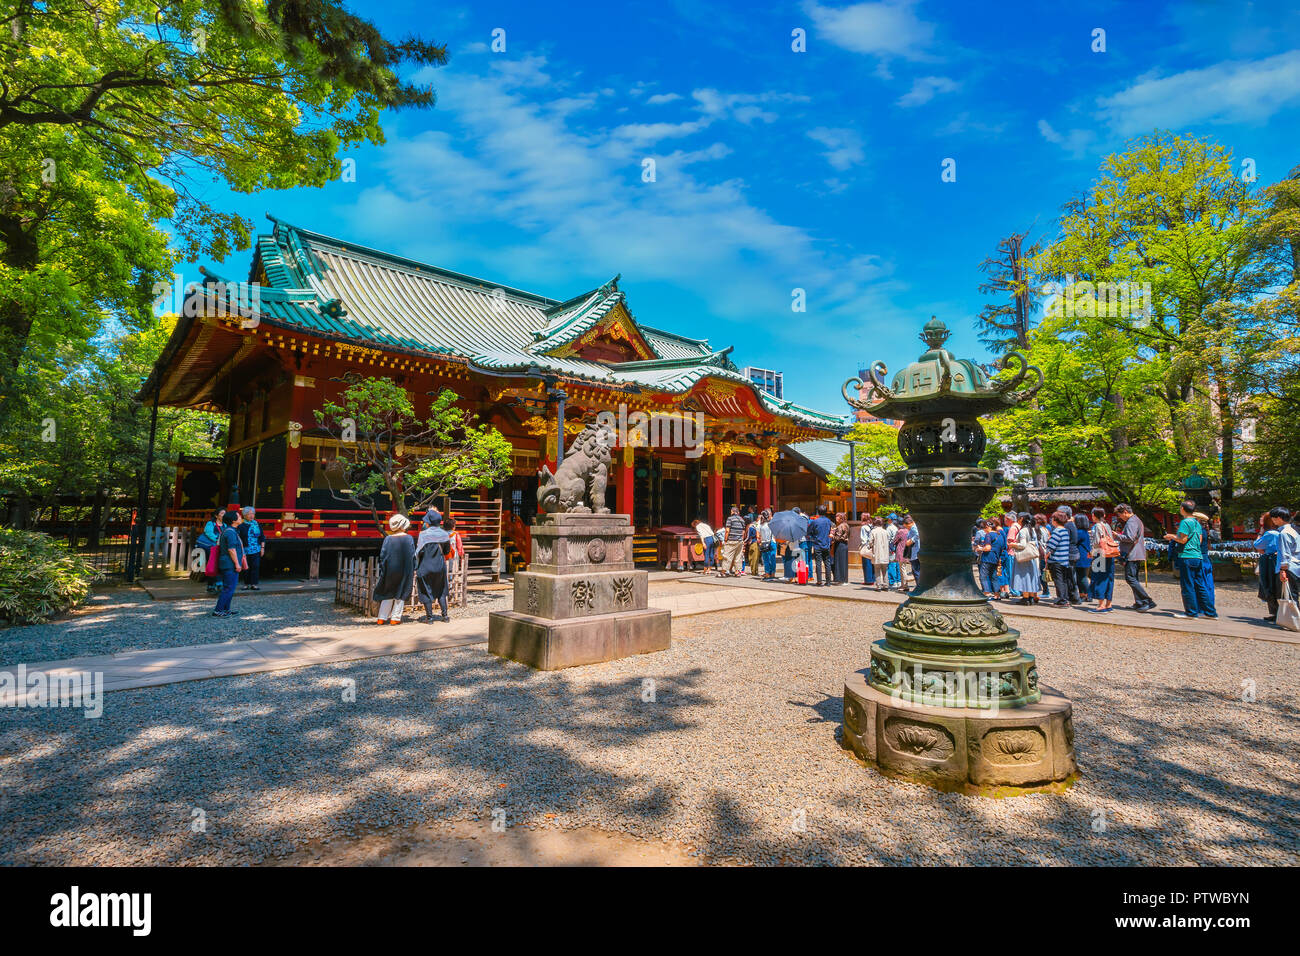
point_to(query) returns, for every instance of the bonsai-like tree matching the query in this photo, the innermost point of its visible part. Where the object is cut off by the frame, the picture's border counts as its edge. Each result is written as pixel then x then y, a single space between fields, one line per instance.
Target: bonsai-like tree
pixel 386 447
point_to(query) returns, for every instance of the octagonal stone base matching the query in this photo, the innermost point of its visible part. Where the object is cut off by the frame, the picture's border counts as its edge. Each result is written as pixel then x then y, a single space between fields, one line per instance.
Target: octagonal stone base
pixel 1003 752
pixel 550 645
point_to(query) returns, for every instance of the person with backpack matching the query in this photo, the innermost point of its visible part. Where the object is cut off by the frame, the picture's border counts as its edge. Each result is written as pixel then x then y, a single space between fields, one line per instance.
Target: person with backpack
pixel 1190 540
pixel 431 552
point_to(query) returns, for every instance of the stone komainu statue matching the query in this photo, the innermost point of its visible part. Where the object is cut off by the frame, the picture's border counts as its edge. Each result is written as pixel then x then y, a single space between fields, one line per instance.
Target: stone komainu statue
pixel 581 477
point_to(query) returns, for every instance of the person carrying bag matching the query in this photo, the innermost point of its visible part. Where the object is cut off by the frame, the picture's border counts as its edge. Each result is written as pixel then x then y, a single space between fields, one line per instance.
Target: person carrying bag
pixel 1288 614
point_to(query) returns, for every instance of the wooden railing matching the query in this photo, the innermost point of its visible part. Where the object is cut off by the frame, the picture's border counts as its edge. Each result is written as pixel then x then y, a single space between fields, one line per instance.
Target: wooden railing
pixel 355 584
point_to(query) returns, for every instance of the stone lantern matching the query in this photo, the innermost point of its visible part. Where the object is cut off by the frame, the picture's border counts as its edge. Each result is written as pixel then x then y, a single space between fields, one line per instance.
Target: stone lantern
pixel 949 698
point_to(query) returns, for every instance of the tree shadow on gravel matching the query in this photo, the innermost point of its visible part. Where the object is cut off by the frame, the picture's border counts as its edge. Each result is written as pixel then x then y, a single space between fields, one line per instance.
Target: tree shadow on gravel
pixel 269 762
pixel 164 624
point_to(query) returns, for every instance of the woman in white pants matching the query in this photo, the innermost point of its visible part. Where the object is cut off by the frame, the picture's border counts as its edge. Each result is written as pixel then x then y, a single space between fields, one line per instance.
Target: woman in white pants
pixel 396 571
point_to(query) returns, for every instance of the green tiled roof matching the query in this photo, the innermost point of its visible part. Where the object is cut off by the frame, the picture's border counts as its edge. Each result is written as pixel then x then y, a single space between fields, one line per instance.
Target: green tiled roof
pixel 823 455
pixel 344 290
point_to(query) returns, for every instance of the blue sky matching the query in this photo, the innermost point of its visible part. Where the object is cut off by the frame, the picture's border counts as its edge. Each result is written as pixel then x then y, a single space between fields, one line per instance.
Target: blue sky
pixel 778 170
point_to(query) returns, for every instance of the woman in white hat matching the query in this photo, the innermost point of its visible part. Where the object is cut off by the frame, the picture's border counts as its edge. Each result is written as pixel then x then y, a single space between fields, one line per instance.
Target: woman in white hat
pixel 396 571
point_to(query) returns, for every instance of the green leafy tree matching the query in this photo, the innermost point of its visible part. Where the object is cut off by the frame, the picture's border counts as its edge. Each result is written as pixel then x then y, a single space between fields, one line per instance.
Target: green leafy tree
pixel 1170 214
pixel 1004 323
pixel 385 448
pixel 1271 456
pixel 1100 416
pixel 875 454
pixel 83 433
pixel 115 115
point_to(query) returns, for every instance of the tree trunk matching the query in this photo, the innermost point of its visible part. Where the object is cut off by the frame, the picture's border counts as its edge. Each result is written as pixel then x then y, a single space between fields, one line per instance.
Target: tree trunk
pixel 96 520
pixel 20 254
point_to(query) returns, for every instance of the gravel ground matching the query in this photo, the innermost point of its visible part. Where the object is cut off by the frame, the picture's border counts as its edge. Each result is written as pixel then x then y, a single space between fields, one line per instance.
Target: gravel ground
pixel 130 625
pixel 737 746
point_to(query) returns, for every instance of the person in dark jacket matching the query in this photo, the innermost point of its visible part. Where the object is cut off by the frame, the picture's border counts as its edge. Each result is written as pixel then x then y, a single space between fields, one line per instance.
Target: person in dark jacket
pixel 396 568
pixel 819 536
pixel 431 552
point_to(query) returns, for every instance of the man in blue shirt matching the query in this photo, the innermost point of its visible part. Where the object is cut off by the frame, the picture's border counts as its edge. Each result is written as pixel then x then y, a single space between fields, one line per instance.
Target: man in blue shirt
pixel 1191 541
pixel 819 537
pixel 230 559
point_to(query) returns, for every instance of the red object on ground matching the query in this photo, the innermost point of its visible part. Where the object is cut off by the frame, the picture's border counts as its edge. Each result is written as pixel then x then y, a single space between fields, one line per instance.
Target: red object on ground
pixel 801 573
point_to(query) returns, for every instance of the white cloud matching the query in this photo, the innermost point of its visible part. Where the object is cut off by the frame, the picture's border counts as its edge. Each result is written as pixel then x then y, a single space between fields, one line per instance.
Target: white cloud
pixel 1236 91
pixel 1076 141
pixel 661 98
pixel 890 28
pixel 843 146
pixel 964 124
pixel 742 107
pixel 519 195
pixel 925 88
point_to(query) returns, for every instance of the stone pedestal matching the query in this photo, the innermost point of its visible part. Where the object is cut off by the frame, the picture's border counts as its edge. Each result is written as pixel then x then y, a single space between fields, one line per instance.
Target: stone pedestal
pixel 581 601
pixel 999 751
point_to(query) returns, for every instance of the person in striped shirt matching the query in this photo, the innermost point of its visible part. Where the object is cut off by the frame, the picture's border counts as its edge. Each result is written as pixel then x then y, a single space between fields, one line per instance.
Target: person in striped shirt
pixel 1058 559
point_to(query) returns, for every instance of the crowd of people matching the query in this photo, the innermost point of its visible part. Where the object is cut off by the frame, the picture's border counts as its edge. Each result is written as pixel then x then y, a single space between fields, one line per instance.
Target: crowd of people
pixel 1062 560
pixel 819 557
pixel 1278 545
pixel 234 544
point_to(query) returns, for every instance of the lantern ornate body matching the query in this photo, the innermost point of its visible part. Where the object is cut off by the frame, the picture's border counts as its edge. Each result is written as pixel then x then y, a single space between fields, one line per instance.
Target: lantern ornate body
pixel 947 649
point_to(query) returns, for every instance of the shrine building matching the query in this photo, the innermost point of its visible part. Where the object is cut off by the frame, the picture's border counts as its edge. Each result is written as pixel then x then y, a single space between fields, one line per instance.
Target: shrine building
pixel 269 352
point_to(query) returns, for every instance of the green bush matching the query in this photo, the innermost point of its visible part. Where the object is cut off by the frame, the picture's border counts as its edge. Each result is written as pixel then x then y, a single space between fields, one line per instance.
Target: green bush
pixel 39 577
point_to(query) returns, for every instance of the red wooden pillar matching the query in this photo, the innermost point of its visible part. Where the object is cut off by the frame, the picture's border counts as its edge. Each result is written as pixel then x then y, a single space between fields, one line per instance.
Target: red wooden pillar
pixel 299 411
pixel 624 482
pixel 715 492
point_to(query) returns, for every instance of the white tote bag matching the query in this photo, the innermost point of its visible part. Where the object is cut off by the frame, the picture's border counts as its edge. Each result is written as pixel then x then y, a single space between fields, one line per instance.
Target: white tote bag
pixel 1288 615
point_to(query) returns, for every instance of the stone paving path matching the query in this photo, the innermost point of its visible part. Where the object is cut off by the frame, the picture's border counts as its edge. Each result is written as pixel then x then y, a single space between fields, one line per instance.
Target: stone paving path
pixel 1226 625
pixel 131 669
pixel 183 589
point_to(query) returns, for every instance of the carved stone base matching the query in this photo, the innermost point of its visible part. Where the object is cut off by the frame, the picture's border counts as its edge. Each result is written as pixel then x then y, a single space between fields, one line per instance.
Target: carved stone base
pixel 551 645
pixel 993 752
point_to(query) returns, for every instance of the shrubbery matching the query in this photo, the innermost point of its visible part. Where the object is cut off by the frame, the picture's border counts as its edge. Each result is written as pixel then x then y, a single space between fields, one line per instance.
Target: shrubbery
pixel 39 577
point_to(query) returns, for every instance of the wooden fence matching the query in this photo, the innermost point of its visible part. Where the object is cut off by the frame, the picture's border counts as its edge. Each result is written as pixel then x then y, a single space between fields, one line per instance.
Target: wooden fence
pixel 355 584
pixel 166 551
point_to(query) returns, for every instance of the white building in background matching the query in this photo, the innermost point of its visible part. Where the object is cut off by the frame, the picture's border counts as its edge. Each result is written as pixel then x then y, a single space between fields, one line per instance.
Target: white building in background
pixel 765 379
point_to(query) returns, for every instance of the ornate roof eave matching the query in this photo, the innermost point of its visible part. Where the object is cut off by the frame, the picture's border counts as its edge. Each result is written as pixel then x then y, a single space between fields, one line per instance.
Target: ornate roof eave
pixel 713 359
